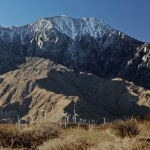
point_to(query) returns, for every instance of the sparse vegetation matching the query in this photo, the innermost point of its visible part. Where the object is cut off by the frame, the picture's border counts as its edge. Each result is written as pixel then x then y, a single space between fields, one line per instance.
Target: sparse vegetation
pixel 29 138
pixel 50 136
pixel 126 129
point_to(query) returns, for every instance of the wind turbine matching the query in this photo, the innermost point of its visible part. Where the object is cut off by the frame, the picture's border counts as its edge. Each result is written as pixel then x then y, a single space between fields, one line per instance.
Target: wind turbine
pixel 18 122
pixel 81 121
pixel 104 120
pixel 65 121
pixel 74 117
pixel 67 118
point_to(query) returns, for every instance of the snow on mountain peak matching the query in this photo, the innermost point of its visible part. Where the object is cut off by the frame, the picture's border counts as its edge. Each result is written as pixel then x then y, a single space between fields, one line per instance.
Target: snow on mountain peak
pixel 63 15
pixel 71 27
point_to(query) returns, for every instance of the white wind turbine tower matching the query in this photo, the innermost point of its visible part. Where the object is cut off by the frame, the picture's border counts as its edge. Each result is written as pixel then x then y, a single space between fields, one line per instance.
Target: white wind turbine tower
pixel 67 118
pixel 18 122
pixel 65 121
pixel 80 121
pixel 104 120
pixel 74 117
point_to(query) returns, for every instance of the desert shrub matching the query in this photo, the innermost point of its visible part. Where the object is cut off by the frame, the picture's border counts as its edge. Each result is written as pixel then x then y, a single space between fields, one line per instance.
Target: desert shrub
pixel 122 144
pixel 13 138
pixel 126 129
pixel 80 144
pixel 67 144
pixel 103 127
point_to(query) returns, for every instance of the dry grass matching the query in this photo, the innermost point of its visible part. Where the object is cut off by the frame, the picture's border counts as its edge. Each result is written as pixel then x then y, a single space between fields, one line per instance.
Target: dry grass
pixel 11 137
pixel 126 129
pixel 70 143
pixel 97 138
pixel 122 144
pixel 77 139
pixel 52 137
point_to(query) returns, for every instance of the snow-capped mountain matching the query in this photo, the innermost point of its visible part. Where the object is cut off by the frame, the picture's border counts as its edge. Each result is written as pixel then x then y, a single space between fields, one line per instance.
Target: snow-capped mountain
pixel 74 28
pixel 83 44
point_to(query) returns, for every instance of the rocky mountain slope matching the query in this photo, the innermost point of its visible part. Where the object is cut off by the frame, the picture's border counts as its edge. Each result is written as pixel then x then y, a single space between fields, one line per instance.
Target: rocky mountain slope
pixel 83 44
pixel 40 84
pixel 65 63
pixel 138 68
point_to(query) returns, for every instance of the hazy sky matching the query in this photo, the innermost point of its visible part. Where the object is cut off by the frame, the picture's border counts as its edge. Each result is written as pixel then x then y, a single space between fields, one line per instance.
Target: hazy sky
pixel 129 16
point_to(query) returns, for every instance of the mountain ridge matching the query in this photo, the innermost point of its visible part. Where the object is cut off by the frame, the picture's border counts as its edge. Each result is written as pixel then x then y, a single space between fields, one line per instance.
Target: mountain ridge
pixel 81 44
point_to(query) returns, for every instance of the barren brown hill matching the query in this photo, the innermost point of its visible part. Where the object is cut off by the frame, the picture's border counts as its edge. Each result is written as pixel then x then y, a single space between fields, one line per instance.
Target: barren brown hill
pixel 40 84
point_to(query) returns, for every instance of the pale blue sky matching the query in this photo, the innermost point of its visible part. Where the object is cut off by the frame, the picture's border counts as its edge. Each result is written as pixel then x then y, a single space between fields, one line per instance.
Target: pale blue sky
pixel 129 16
